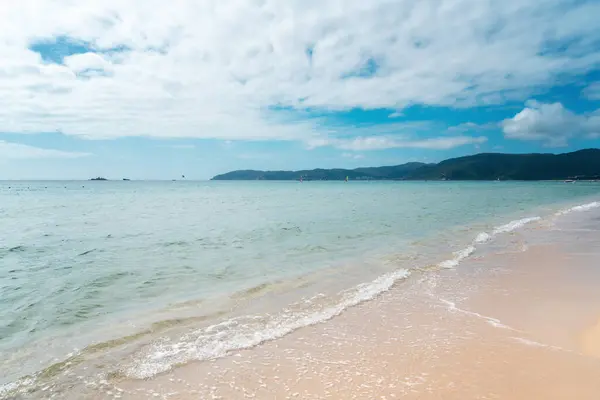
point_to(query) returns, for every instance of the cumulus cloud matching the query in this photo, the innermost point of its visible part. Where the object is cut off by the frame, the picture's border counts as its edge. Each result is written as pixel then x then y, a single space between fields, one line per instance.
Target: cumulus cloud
pixel 392 142
pixel 550 123
pixel 80 63
pixel 217 68
pixel 17 151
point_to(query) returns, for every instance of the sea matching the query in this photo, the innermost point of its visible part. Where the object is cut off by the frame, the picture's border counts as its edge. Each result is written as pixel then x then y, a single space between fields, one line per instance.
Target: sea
pixel 105 280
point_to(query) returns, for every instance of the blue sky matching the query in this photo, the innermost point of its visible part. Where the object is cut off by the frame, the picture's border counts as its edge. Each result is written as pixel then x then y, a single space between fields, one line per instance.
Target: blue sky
pixel 113 88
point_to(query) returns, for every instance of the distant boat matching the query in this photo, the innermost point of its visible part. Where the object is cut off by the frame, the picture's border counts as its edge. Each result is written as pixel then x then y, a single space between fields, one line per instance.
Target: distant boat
pixel 126 179
pixel 570 181
pixel 98 179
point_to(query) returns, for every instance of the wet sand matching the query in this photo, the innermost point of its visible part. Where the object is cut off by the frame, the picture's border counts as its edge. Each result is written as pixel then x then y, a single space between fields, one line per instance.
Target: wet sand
pixel 518 320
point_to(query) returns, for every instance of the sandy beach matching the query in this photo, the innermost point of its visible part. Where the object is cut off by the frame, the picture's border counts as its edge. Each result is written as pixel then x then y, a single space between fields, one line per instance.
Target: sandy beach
pixel 519 319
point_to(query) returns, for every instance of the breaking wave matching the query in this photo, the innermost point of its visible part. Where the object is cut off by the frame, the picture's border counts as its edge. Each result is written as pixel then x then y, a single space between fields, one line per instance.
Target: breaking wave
pixel 219 340
pixel 582 207
pixel 485 237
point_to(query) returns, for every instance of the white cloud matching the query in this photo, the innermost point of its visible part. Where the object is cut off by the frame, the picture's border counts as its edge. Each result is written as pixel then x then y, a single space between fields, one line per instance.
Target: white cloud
pixel 213 68
pixel 353 156
pixel 471 127
pixel 552 124
pixel 17 151
pixel 79 63
pixel 392 142
pixel 592 91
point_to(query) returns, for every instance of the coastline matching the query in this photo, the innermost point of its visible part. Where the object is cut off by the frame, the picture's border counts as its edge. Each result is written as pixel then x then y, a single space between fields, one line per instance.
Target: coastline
pixel 429 289
pixel 516 324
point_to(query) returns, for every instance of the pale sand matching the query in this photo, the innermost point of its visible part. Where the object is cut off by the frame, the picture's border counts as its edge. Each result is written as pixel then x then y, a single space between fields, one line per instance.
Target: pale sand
pixel 514 325
pixel 590 340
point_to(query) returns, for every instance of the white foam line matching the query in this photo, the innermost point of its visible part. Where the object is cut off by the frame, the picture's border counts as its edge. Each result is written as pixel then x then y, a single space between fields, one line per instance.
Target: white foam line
pixel 458 257
pixel 17 386
pixel 582 207
pixel 485 237
pixel 219 340
pixel 533 343
pixel 492 321
pixel 514 225
pixel 510 227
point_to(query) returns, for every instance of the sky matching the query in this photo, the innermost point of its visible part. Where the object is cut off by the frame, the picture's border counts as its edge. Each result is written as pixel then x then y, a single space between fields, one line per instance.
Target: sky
pixel 153 89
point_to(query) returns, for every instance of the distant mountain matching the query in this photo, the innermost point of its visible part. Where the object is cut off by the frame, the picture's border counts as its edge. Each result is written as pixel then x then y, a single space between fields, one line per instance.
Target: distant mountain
pixel 396 172
pixel 375 173
pixel 490 166
pixel 582 164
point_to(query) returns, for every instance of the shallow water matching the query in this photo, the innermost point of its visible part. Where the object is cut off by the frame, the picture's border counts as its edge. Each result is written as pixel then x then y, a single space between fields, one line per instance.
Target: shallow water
pixel 87 262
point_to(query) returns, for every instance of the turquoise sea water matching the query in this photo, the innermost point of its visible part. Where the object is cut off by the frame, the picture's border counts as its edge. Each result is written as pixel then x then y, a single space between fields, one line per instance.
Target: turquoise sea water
pixel 84 263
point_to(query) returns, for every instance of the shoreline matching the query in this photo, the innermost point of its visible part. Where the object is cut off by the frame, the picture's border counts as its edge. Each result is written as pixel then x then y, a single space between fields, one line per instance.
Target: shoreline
pixel 507 325
pixel 458 258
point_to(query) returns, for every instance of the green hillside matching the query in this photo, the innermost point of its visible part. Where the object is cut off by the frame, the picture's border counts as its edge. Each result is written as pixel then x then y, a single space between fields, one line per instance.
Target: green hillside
pixel 582 164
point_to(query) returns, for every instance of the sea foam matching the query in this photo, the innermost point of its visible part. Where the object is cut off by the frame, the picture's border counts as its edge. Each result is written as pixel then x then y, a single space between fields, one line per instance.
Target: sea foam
pixel 219 340
pixel 484 237
pixel 514 225
pixel 582 207
pixel 458 257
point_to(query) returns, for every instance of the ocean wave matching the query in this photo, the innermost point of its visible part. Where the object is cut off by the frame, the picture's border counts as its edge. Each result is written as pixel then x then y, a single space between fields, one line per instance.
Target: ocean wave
pixel 514 225
pixel 484 237
pixel 582 207
pixel 12 388
pixel 458 257
pixel 241 333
